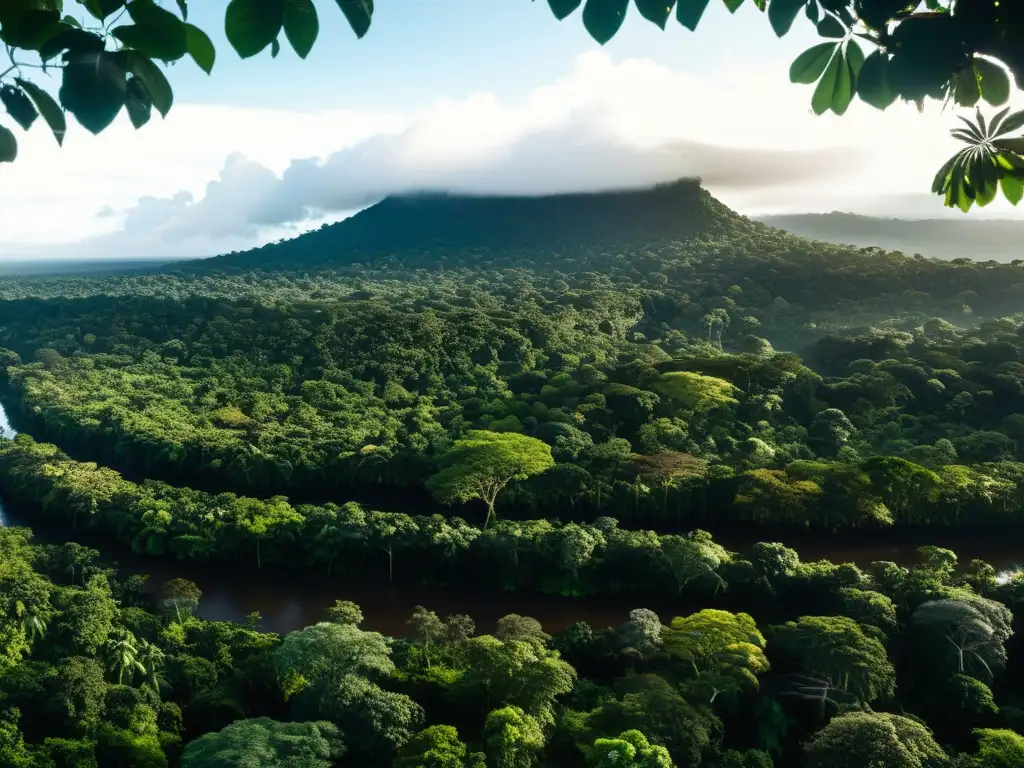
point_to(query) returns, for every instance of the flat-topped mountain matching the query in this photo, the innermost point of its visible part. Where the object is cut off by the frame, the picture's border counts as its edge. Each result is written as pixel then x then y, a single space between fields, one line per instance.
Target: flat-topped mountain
pixel 416 225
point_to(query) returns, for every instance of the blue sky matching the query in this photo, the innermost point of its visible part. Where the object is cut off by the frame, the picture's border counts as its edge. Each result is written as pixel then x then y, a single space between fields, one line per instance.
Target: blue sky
pixel 491 96
pixel 459 47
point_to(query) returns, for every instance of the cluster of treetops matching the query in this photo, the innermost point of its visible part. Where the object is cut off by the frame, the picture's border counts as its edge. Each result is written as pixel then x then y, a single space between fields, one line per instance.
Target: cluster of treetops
pixel 913 422
pixel 837 668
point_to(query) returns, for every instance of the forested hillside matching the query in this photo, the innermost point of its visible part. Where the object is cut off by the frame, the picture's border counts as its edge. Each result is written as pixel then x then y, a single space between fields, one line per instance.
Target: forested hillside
pixel 548 395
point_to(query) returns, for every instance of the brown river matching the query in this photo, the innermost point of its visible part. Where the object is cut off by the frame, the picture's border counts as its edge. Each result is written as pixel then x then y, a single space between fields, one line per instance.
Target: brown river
pixel 290 600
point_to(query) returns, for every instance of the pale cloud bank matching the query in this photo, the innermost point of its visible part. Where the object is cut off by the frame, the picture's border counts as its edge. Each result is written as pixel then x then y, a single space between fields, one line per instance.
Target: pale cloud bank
pixel 169 191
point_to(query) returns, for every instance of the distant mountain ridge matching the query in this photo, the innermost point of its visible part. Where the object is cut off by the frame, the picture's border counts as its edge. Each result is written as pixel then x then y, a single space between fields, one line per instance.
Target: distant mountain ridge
pixel 979 239
pixel 444 222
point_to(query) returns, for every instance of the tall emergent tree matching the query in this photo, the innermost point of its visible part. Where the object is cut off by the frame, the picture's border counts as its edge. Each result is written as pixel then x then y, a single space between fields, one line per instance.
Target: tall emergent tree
pixel 964 51
pixel 482 463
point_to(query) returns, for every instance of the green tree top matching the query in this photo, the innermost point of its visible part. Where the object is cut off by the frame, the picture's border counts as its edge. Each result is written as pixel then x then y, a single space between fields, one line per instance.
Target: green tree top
pixel 482 463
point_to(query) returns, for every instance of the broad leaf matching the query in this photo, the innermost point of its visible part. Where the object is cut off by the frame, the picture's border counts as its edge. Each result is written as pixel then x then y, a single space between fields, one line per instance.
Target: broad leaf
pixel 161 34
pixel 18 106
pixel 156 43
pixel 690 12
pixel 359 14
pixel 32 29
pixel 100 9
pixel 8 146
pixel 75 41
pixel 137 103
pixel 824 94
pixel 966 87
pixel 48 108
pixel 855 59
pixel 200 48
pixel 93 89
pixel 830 26
pixel 160 93
pixel 812 11
pixel 873 81
pixel 562 8
pixel 252 25
pixel 810 64
pixel 1013 188
pixel 782 14
pixel 733 5
pixel 656 11
pixel 842 93
pixel 994 82
pixel 603 18
pixel 301 25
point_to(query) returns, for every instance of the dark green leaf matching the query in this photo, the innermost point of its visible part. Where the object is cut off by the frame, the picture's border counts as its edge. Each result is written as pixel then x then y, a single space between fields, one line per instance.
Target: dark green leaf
pixel 138 104
pixel 812 11
pixel 830 26
pixel 562 8
pixel 842 93
pixel 48 108
pixel 301 25
pixel 71 21
pixel 998 120
pixel 18 106
pixel 93 89
pixel 252 25
pixel 873 81
pixel 100 9
pixel 151 41
pixel 782 14
pixel 359 14
pixel 733 5
pixel 603 18
pixel 183 7
pixel 1013 123
pixel 31 29
pixel 810 64
pixel 275 48
pixel 690 12
pixel 1010 145
pixel 855 59
pixel 656 11
pixel 200 48
pixel 941 180
pixel 761 5
pixel 978 135
pixel 1013 188
pixel 160 93
pixel 8 146
pixel 157 33
pixel 966 87
pixel 963 136
pixel 821 102
pixel 995 83
pixel 984 180
pixel 981 122
pixel 75 41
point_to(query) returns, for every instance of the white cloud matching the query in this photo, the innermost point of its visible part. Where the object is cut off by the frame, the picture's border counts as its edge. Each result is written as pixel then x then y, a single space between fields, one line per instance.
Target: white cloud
pixel 168 189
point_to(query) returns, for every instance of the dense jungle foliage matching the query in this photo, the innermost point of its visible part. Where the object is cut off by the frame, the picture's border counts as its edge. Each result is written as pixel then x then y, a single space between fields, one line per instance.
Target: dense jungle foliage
pixel 810 665
pixel 563 407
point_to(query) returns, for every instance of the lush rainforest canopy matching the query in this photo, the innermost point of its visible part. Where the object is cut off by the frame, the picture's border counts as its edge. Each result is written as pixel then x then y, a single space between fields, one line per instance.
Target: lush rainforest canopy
pixel 465 400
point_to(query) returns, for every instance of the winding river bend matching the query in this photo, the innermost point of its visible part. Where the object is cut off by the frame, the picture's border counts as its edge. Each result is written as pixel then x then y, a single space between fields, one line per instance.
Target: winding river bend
pixel 291 600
